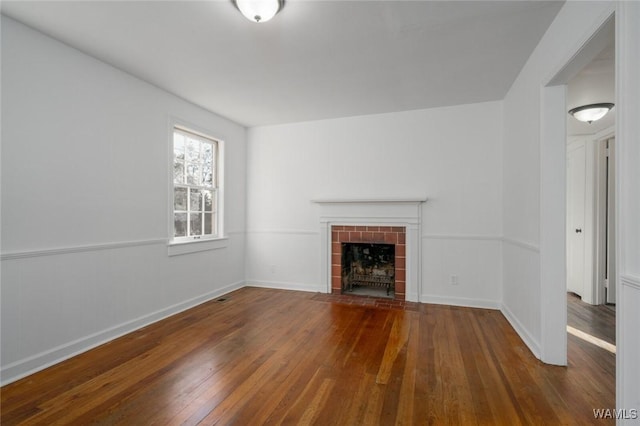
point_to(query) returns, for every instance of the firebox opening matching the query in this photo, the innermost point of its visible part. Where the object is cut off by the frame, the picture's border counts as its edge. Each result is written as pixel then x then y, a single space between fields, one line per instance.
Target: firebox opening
pixel 368 269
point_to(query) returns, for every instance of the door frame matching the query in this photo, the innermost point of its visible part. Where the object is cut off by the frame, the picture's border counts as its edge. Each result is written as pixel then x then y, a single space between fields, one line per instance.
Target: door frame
pixel 553 181
pixel 600 201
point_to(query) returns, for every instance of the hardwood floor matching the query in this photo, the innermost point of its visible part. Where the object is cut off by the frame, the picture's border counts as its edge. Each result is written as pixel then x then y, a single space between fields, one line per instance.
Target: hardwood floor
pixel 282 357
pixel 597 320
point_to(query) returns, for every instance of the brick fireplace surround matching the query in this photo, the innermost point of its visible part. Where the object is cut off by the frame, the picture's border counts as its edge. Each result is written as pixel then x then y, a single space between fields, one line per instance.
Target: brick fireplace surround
pixel 372 220
pixel 369 234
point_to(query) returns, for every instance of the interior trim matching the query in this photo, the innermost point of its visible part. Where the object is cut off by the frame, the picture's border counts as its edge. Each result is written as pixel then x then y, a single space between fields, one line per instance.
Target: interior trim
pixel 522 244
pixel 630 281
pixel 80 249
pixel 462 237
pixel 522 331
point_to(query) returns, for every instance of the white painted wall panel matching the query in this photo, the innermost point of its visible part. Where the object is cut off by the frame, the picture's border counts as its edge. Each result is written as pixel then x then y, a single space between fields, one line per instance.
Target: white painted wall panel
pixel 521 291
pixel 477 263
pixel 275 256
pixel 450 155
pixel 628 205
pixel 85 164
pixel 522 161
pixel 629 348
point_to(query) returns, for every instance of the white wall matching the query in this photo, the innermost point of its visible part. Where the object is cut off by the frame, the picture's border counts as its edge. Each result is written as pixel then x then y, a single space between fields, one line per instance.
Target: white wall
pixel 522 164
pixel 450 155
pixel 523 107
pixel 628 206
pixel 85 190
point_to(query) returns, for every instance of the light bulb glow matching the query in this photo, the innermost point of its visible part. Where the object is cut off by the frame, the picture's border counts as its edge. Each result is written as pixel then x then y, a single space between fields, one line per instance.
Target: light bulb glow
pixel 259 10
pixel 591 113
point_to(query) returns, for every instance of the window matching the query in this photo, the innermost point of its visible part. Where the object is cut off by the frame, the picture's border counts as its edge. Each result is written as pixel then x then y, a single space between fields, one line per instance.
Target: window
pixel 195 186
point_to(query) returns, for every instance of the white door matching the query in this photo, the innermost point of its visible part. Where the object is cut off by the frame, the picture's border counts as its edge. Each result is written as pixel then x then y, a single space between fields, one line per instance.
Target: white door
pixel 576 187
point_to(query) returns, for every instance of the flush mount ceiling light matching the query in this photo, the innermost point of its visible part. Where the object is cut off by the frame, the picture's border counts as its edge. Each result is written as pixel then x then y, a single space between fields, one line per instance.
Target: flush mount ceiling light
pixel 591 113
pixel 259 10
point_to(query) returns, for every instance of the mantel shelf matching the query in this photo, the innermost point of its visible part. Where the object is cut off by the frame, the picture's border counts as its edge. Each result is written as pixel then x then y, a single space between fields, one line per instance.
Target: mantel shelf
pixel 369 200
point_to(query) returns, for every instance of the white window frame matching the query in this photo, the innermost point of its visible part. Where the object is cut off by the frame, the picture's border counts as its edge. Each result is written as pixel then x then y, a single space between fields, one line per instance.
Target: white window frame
pixel 190 244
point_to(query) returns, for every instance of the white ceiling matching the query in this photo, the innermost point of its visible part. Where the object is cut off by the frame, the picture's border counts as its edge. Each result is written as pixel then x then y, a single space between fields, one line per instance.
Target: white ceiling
pixel 315 60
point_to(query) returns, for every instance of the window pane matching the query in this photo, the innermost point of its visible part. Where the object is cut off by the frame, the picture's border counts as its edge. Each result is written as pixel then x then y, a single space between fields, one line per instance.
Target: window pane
pixel 208 223
pixel 193 150
pixel 180 199
pixel 207 175
pixel 178 172
pixel 196 223
pixel 195 201
pixel 178 146
pixel 193 174
pixel 180 225
pixel 207 153
pixel 208 202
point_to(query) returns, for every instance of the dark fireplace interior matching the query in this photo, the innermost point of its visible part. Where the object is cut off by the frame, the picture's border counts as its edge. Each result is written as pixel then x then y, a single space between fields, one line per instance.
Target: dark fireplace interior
pixel 368 269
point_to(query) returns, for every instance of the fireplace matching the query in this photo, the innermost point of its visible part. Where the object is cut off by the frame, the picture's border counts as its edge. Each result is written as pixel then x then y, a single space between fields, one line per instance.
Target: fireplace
pixel 368 266
pixel 394 221
pixel 368 256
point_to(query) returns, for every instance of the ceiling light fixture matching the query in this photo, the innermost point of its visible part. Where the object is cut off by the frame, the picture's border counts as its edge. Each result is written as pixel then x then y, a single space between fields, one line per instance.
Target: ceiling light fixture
pixel 259 10
pixel 591 113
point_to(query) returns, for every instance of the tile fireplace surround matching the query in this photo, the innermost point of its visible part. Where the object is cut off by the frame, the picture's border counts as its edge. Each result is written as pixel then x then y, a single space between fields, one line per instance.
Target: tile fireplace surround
pixel 387 221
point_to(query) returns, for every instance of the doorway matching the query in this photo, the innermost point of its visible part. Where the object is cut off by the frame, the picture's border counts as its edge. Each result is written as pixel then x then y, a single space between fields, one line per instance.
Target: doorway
pixel 590 176
pixel 553 316
pixel 590 230
pixel 590 208
pixel 590 242
pixel 577 259
pixel 555 123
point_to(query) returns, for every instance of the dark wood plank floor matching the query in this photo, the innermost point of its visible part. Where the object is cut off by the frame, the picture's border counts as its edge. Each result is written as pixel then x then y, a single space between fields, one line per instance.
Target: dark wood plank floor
pixel 281 357
pixel 596 320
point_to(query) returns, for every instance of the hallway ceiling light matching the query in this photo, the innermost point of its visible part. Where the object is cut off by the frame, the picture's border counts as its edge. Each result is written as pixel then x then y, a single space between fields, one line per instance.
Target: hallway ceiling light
pixel 259 10
pixel 591 113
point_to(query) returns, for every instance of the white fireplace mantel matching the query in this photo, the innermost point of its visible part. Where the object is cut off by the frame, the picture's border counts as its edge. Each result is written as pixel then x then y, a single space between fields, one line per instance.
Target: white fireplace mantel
pixel 405 212
pixel 373 211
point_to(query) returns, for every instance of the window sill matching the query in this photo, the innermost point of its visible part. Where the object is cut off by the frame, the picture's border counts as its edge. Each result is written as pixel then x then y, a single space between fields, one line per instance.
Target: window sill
pixel 186 247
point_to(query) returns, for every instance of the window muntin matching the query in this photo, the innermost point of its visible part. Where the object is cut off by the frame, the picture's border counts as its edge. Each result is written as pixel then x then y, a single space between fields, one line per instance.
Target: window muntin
pixel 195 186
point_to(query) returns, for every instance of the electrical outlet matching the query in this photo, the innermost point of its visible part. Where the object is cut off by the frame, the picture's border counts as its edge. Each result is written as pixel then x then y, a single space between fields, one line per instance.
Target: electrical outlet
pixel 453 280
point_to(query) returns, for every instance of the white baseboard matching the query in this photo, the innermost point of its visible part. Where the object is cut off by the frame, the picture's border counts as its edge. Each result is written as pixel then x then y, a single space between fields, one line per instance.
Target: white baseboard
pixel 527 338
pixel 460 301
pixel 412 296
pixel 25 367
pixel 284 285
